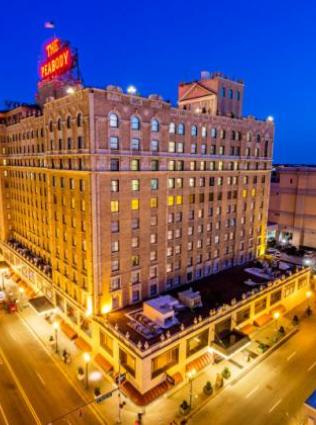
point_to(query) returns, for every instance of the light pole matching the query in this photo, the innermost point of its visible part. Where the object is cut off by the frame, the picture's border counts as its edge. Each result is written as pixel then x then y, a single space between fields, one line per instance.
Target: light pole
pixel 21 292
pixel 308 296
pixel 56 327
pixel 276 317
pixel 2 281
pixel 191 376
pixel 87 358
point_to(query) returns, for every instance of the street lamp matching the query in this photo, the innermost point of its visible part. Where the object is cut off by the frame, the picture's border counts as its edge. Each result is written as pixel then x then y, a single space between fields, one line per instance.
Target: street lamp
pixel 56 327
pixel 87 359
pixel 21 292
pixel 2 280
pixel 276 317
pixel 308 296
pixel 191 376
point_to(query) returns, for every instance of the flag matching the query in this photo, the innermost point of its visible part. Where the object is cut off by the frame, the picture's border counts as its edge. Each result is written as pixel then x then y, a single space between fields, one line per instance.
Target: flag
pixel 49 25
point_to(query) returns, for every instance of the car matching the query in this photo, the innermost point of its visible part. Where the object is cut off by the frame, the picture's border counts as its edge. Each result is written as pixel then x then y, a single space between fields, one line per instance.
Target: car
pixel 2 296
pixel 273 251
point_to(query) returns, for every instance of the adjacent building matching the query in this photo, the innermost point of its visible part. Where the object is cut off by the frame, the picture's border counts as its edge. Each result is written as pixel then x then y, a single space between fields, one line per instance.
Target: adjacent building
pixel 292 208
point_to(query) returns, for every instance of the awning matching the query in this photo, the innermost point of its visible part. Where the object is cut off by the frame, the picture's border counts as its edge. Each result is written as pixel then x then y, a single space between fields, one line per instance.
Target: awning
pixel 103 363
pixel 279 308
pixel 41 305
pixel 248 329
pixel 68 331
pixel 263 320
pixel 82 344
pixel 230 342
pixel 200 362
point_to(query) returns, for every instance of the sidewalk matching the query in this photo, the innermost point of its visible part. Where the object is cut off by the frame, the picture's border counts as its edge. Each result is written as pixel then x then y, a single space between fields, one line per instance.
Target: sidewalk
pixel 168 405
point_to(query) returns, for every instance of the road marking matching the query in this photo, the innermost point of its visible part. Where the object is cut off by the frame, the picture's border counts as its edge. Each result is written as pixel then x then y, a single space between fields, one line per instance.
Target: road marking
pixel 17 382
pixel 275 405
pixel 311 366
pixel 40 378
pixel 4 416
pixel 252 391
pixel 291 356
pixel 92 408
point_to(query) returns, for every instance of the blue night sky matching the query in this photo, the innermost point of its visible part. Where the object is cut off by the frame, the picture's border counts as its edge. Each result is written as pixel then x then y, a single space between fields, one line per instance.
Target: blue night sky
pixel 269 44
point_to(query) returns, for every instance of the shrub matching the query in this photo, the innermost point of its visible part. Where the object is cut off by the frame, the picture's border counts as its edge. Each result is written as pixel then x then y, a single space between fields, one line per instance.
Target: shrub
pixel 97 391
pixel 226 373
pixel 80 371
pixel 208 389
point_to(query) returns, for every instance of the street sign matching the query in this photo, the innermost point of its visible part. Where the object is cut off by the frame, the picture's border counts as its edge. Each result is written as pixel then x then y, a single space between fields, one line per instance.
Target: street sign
pixel 120 378
pixel 103 397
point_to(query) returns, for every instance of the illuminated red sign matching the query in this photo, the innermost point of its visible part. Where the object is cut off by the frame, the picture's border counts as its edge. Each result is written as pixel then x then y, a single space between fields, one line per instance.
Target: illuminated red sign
pixel 58 60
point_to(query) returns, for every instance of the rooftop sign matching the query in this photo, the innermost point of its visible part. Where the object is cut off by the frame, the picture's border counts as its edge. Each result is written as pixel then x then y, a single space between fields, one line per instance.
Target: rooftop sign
pixel 58 59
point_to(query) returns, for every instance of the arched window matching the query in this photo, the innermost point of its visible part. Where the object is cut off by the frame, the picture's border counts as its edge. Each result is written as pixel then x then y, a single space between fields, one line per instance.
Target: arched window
pixel 249 136
pixel 135 123
pixel 181 129
pixel 194 130
pixel 50 125
pixel 258 138
pixel 79 120
pixel 154 126
pixel 59 124
pixel 172 128
pixel 204 132
pixel 113 120
pixel 68 121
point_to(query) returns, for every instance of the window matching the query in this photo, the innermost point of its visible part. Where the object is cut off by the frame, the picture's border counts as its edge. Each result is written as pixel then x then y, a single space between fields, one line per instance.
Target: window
pixel 135 260
pixel 115 246
pixel 114 185
pixel 154 126
pixel 223 92
pixel 153 238
pixel 135 165
pixel 230 93
pixel 115 265
pixel 153 202
pixel 194 130
pixel 114 164
pixel 135 223
pixel 135 204
pixel 181 129
pixel 164 361
pixel 275 297
pixel 135 123
pixel 113 120
pixel 79 120
pixel 135 185
pixel 114 143
pixel 106 342
pixel 242 315
pixel 68 121
pixel 180 147
pixel 115 226
pixel 170 200
pixel 115 206
pixel 135 144
pixel 154 184
pixel 260 305
pixel 214 133
pixel 135 295
pixel 172 147
pixel 154 146
pixel 154 165
pixel 203 132
pixel 172 128
pixel 127 360
pixel 197 342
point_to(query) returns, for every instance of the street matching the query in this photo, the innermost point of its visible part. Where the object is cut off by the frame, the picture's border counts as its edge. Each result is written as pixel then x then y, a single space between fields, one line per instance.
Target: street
pixel 33 389
pixel 273 392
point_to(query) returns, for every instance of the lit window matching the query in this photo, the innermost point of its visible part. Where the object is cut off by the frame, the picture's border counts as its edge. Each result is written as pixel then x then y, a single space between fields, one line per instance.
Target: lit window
pixel 154 184
pixel 203 132
pixel 172 147
pixel 114 206
pixel 114 143
pixel 135 204
pixel 114 185
pixel 153 202
pixel 181 129
pixel 179 200
pixel 180 147
pixel 135 185
pixel 135 165
pixel 170 200
pixel 244 193
pixel 154 146
pixel 135 144
pixel 172 128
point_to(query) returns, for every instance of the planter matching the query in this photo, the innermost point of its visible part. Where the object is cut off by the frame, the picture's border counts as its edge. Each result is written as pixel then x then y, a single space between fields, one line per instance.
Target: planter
pixel 184 408
pixel 208 389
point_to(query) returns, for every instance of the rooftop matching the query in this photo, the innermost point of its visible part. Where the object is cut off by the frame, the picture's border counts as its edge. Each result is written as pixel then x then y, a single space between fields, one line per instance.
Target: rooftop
pixel 223 289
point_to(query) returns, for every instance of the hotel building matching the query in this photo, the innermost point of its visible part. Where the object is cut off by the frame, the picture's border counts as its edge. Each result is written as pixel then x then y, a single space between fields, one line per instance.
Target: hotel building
pixel 110 200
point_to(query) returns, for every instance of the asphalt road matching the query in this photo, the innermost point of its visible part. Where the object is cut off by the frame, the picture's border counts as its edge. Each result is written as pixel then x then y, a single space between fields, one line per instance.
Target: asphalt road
pixel 274 391
pixel 33 390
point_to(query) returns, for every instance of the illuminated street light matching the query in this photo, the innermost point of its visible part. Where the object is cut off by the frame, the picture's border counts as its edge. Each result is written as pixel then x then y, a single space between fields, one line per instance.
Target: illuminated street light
pixel 270 118
pixel 56 328
pixel 276 317
pixel 191 376
pixel 308 296
pixel 307 261
pixel 87 359
pixel 131 90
